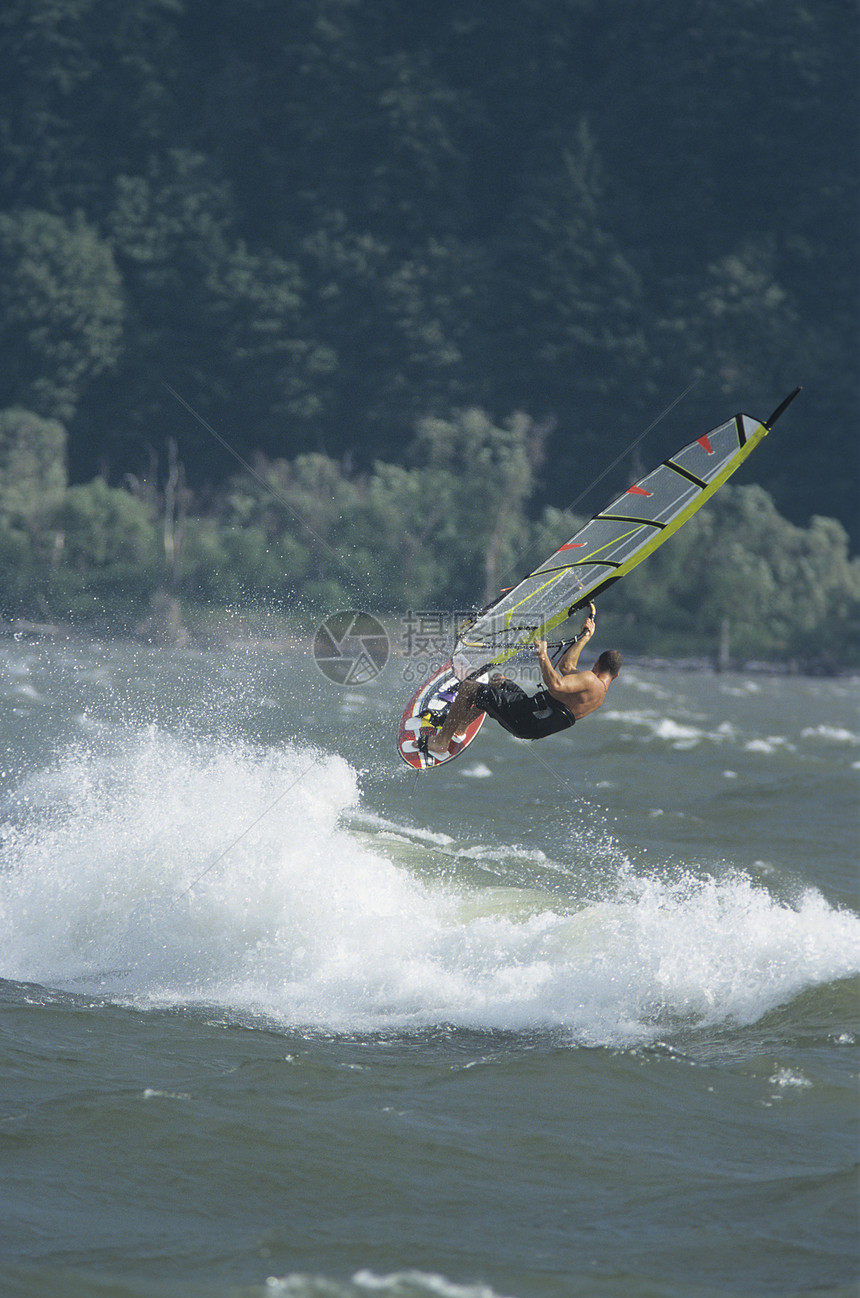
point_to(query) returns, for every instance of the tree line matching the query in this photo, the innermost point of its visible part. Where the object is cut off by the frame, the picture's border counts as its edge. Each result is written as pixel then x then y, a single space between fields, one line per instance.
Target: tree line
pixel 327 224
pixel 443 531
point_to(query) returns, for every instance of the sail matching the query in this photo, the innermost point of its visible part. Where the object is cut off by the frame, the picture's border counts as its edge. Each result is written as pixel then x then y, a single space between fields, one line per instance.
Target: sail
pixel 612 544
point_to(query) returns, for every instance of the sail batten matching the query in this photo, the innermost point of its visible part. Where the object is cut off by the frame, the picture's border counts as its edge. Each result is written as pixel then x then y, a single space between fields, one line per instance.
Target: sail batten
pixel 685 473
pixel 621 518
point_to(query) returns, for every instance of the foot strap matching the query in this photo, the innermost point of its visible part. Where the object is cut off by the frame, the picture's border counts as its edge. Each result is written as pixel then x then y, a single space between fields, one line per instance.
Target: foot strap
pixel 434 718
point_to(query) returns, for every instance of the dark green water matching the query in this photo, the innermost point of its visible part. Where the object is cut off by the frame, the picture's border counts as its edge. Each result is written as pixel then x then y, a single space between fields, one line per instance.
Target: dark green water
pixel 577 1018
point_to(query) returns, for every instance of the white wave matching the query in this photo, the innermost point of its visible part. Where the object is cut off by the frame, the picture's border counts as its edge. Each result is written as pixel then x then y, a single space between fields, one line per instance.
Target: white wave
pixel 414 1284
pixel 831 734
pixel 679 734
pixel 771 744
pixel 399 1284
pixel 741 691
pixel 409 832
pixel 168 872
pixel 788 1078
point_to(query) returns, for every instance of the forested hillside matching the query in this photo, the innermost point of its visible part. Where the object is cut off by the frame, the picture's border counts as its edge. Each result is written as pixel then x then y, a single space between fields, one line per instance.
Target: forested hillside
pixel 323 222
pixel 322 219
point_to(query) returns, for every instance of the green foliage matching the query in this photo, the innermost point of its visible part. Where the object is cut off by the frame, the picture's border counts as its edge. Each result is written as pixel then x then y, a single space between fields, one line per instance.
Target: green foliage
pixel 62 310
pixel 32 466
pixel 746 332
pixel 575 314
pixel 103 526
pixel 403 351
pixel 225 564
pixel 322 222
pixel 200 290
pixel 86 85
pixel 105 561
pixel 782 591
pixel 477 477
pixel 446 530
pixel 20 594
pixel 330 536
pixel 446 534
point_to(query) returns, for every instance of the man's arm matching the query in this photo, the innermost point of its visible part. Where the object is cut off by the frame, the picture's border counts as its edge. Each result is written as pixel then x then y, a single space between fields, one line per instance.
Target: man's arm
pixel 568 662
pixel 555 682
pixel 571 657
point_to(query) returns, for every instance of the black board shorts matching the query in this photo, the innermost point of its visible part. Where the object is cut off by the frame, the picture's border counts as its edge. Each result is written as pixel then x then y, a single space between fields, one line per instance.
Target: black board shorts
pixel 524 715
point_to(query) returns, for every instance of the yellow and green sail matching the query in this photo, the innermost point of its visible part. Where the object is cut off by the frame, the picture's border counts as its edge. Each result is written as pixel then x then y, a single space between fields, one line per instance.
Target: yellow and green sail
pixel 612 544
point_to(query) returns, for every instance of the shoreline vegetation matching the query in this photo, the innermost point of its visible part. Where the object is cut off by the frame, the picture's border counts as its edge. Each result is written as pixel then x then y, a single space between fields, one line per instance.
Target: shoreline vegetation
pixel 300 539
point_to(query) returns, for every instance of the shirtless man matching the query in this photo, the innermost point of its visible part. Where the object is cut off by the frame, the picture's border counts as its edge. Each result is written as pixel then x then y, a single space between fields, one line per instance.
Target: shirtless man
pixel 570 695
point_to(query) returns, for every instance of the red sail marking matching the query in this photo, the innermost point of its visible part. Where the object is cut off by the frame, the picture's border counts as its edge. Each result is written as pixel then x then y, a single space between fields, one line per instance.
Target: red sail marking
pixel 570 545
pixel 705 444
pixel 637 491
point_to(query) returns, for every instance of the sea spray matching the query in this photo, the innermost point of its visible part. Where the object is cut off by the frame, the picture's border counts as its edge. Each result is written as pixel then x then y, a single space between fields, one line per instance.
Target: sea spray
pixel 161 870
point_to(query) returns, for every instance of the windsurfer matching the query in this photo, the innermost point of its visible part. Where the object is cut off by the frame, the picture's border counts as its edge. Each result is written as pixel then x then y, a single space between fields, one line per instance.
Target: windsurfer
pixel 570 694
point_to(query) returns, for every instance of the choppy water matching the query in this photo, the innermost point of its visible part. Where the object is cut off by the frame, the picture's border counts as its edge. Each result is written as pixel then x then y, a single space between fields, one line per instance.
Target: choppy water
pixel 280 1018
